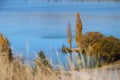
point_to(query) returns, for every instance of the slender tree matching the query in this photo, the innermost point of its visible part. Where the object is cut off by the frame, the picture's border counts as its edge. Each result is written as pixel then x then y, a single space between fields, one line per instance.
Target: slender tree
pixel 78 31
pixel 69 35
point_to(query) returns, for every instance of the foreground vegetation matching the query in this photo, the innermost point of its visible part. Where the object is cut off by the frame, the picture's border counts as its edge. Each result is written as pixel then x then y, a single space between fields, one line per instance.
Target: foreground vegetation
pixel 12 68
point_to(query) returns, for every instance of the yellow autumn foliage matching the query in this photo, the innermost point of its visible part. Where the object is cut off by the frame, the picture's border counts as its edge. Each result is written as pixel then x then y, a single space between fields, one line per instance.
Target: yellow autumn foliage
pixel 4 43
pixel 78 30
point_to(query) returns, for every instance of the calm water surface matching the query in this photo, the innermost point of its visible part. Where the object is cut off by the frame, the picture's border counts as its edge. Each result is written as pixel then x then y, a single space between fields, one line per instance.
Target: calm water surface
pixel 31 29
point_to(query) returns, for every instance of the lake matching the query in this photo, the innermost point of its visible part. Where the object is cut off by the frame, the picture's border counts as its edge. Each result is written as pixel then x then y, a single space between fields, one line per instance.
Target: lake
pixel 34 26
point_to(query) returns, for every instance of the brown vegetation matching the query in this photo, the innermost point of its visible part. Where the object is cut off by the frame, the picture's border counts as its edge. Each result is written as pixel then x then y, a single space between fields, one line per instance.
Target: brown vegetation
pixel 5 50
pixel 108 48
pixel 78 30
pixel 69 35
pixel 96 44
pixel 42 63
pixel 10 68
pixel 13 69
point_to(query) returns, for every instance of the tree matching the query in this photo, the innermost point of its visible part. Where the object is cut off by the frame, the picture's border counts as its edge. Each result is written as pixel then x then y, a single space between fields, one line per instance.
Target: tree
pixel 69 35
pixel 42 55
pixel 5 49
pixel 44 60
pixel 108 48
pixel 42 65
pixel 78 31
pixel 89 39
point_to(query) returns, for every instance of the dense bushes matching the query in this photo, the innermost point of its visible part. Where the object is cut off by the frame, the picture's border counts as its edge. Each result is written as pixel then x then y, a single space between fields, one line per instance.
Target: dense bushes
pixel 108 48
pixel 89 39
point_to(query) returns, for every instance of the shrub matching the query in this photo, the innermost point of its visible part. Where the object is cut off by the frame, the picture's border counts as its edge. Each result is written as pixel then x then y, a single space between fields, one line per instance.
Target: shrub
pixel 108 48
pixel 5 50
pixel 42 64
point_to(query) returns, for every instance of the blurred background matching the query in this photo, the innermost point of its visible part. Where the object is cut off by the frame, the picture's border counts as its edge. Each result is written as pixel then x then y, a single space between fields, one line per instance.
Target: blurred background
pixel 34 25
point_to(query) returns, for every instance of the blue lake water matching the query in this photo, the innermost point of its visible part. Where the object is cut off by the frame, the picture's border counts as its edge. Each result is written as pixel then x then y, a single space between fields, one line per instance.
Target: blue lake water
pixel 36 26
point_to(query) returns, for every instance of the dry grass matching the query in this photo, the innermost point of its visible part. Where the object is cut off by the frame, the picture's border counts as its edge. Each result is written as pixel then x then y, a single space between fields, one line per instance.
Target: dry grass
pixel 15 70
